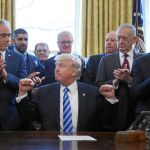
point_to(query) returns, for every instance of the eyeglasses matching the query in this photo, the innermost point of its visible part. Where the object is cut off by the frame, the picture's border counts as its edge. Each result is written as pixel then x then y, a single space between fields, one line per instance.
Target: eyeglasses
pixel 42 51
pixel 66 42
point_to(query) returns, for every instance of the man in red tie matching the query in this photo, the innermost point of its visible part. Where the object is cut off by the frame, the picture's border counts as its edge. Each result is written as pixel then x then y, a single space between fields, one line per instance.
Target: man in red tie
pixel 115 69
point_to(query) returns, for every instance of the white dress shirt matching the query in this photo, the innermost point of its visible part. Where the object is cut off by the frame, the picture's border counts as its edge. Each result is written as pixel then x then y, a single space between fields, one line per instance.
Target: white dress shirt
pixel 73 97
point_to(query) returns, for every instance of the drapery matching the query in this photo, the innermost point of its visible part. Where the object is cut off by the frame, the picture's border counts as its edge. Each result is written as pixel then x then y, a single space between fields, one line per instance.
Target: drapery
pixel 100 17
pixel 7 11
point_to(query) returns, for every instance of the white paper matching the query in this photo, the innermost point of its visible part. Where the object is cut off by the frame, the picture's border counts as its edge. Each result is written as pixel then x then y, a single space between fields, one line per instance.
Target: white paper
pixel 76 138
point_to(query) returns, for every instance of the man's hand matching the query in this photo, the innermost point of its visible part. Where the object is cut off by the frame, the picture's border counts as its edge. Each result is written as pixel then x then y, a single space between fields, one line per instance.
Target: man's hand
pixel 2 68
pixel 107 91
pixel 34 77
pixel 25 85
pixel 123 74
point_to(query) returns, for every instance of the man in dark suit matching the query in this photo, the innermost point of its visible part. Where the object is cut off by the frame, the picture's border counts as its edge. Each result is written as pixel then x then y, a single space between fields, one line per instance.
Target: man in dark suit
pixel 48 101
pixel 20 41
pixel 64 42
pixel 93 62
pixel 114 69
pixel 141 83
pixel 12 69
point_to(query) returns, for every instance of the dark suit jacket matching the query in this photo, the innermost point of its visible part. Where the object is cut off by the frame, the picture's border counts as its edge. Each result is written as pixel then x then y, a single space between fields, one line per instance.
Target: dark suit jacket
pixel 47 105
pixel 15 67
pixel 122 112
pixel 33 64
pixel 141 83
pixel 91 69
pixel 49 71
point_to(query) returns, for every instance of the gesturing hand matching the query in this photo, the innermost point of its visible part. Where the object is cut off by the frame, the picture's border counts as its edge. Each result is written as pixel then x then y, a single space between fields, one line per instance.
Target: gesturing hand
pixel 34 77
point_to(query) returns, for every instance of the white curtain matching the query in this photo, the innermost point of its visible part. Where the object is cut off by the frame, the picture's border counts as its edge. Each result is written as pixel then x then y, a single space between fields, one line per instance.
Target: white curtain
pixel 78 32
pixel 146 21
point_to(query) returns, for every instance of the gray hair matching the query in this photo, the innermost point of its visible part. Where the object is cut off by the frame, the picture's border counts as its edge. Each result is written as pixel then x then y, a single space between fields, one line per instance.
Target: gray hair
pixel 41 43
pixel 62 34
pixel 76 62
pixel 4 22
pixel 128 26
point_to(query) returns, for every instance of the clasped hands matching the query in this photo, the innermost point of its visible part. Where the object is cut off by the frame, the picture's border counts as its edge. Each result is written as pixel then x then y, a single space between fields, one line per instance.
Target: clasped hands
pixel 3 72
pixel 27 84
pixel 123 74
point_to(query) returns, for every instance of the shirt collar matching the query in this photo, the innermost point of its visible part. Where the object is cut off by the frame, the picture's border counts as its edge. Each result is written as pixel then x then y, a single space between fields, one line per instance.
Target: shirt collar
pixel 72 87
pixel 130 53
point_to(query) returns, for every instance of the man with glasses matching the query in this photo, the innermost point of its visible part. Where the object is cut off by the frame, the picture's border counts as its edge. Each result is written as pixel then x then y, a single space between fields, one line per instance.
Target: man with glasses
pixel 64 42
pixel 42 51
pixel 12 69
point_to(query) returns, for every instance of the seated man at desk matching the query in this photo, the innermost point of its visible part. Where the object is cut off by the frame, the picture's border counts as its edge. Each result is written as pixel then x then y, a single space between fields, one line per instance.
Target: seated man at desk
pixel 50 102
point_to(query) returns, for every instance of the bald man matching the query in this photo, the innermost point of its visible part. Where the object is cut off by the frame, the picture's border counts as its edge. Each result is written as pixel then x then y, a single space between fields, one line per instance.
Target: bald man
pixel 93 62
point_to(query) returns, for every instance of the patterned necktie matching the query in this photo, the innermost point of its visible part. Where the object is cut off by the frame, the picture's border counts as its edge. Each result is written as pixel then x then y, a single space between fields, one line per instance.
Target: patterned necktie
pixel 125 62
pixel 67 114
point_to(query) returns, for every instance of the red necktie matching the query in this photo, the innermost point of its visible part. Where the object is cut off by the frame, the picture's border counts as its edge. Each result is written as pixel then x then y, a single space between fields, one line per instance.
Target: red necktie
pixel 125 62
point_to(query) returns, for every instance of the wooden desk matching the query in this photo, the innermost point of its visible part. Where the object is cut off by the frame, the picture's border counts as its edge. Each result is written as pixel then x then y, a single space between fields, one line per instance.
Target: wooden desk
pixel 49 141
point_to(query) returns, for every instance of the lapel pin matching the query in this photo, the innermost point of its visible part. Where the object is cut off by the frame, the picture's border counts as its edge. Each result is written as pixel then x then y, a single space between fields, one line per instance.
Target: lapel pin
pixel 83 94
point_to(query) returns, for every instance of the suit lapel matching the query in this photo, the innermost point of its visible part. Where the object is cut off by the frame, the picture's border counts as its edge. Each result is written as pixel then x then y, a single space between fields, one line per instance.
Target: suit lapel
pixel 8 59
pixel 81 105
pixel 117 60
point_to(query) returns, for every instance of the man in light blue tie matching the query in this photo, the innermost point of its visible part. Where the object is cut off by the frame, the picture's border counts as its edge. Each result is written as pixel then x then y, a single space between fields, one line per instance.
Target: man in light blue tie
pixel 75 109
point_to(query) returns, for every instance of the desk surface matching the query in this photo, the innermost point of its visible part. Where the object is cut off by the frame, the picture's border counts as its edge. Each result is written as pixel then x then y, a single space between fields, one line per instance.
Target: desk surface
pixel 49 141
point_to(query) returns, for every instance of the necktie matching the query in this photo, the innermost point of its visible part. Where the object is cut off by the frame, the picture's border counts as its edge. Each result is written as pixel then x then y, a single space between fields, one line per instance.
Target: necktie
pixel 26 62
pixel 67 114
pixel 125 62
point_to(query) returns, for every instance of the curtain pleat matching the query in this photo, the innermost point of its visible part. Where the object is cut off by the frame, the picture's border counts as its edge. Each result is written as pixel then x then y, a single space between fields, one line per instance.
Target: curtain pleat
pixel 7 11
pixel 100 17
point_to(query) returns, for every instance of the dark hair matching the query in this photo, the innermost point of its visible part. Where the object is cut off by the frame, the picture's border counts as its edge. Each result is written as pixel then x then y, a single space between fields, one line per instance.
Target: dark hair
pixel 19 31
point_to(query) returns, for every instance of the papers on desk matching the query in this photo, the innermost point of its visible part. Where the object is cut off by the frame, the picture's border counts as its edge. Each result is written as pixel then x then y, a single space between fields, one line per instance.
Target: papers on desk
pixel 76 138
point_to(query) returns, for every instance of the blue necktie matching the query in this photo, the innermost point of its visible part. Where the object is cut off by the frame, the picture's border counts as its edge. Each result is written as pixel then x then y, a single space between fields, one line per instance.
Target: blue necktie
pixel 67 114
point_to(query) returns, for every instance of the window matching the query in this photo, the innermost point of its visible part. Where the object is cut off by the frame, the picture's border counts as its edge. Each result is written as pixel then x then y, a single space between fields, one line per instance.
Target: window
pixel 146 16
pixel 44 19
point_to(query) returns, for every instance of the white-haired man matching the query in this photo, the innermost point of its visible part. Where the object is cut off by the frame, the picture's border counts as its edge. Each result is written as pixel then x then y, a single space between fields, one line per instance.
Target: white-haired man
pixel 48 103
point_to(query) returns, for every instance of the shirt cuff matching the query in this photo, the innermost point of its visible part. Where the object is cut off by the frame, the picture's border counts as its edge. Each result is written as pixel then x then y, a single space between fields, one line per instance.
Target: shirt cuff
pixel 115 85
pixel 112 101
pixel 19 98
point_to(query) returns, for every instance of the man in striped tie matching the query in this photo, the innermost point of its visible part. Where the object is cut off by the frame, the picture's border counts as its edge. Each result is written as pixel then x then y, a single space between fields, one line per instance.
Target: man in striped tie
pixel 67 114
pixel 66 105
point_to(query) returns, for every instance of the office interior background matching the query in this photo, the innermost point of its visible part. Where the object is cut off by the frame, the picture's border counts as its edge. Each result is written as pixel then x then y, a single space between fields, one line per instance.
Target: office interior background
pixel 44 19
